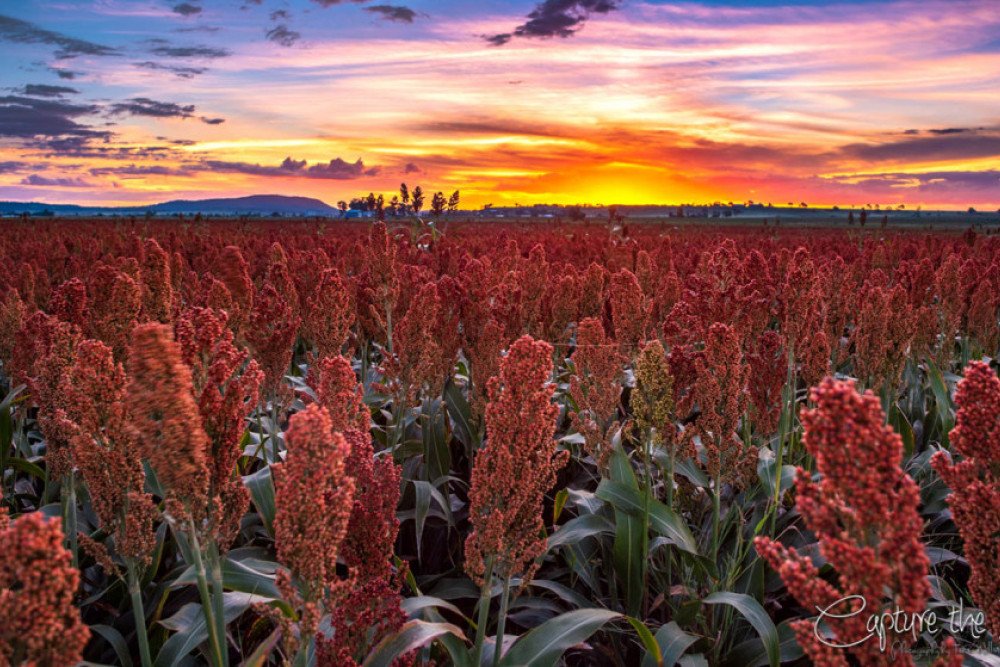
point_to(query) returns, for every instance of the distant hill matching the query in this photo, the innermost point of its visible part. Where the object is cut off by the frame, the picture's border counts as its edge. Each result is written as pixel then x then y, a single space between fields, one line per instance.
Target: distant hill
pixel 252 205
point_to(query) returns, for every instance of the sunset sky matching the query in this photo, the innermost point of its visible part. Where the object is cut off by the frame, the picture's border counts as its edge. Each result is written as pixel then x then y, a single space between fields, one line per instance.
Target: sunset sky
pixel 561 101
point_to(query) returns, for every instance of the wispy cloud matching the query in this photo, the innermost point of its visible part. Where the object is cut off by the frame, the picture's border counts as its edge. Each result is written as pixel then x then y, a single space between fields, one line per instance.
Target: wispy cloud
pixel 23 32
pixel 186 9
pixel 336 169
pixel 41 181
pixel 190 52
pixel 281 34
pixel 396 13
pixel 556 18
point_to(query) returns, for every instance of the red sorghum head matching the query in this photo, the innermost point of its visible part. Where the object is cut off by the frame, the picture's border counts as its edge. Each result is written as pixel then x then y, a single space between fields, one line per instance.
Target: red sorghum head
pixel 516 467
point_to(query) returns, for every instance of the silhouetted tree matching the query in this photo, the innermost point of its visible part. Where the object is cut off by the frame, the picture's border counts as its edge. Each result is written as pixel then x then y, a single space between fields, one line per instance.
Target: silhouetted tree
pixel 380 207
pixel 453 201
pixel 438 203
pixel 850 218
pixel 417 198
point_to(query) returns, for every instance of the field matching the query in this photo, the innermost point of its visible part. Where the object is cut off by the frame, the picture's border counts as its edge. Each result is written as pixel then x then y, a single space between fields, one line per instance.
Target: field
pixel 264 442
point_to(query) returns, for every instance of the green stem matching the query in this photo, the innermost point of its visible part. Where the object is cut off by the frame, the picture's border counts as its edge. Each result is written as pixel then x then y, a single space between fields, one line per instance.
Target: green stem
pixel 274 428
pixel 646 502
pixel 218 592
pixel 785 426
pixel 501 622
pixel 716 512
pixel 485 595
pixel 69 516
pixel 137 611
pixel 214 641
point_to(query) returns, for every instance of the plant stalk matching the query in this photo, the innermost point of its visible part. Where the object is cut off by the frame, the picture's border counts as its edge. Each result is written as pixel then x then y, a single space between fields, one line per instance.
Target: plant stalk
pixel 69 516
pixel 485 595
pixel 207 608
pixel 501 622
pixel 138 612
pixel 785 427
pixel 218 601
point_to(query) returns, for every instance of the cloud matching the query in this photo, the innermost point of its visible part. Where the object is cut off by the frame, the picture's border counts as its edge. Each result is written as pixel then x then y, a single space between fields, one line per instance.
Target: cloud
pixel 411 168
pixel 946 145
pixel 11 167
pixel 176 70
pixel 41 181
pixel 280 15
pixel 26 117
pixel 140 170
pixel 556 18
pixel 199 28
pixel 186 9
pixel 45 90
pixel 336 169
pixel 393 13
pixel 22 32
pixel 65 74
pixel 331 3
pixel 143 106
pixel 190 52
pixel 952 130
pixel 943 185
pixel 282 35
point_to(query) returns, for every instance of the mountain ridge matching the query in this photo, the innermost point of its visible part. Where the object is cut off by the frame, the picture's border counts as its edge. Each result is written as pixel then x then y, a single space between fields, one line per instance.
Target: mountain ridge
pixel 260 204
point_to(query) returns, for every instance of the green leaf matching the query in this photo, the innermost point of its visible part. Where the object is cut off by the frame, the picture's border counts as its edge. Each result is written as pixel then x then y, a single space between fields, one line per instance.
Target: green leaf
pixel 942 396
pixel 424 492
pixel 630 532
pixel 457 648
pixel 560 503
pixel 27 467
pixel 901 425
pixel 580 528
pixel 415 605
pixel 261 489
pixel 688 468
pixel 461 416
pixel 437 456
pixel 118 643
pixel 190 630
pixel 767 466
pixel 648 641
pixel 564 593
pixel 662 519
pixel 237 576
pixel 672 642
pixel 262 653
pixel 544 645
pixel 412 635
pixel 752 653
pixel 758 618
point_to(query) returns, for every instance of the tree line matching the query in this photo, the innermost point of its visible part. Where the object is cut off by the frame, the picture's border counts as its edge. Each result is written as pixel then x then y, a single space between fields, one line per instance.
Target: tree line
pixel 407 202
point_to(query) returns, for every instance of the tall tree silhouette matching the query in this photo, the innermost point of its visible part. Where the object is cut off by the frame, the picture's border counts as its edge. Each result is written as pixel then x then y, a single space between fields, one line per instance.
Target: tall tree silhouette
pixel 417 199
pixel 438 203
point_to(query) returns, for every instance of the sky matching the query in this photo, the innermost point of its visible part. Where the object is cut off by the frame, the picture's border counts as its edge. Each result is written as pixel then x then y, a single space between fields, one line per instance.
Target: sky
pixel 121 102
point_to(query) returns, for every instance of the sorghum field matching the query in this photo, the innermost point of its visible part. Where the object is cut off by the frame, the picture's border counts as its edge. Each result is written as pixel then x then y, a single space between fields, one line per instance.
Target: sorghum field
pixel 263 443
